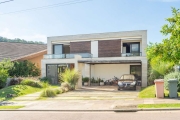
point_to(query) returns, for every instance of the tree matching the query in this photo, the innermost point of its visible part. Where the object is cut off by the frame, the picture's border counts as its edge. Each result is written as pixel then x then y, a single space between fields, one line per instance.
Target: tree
pixel 6 64
pixel 17 40
pixel 24 69
pixel 169 49
pixel 163 56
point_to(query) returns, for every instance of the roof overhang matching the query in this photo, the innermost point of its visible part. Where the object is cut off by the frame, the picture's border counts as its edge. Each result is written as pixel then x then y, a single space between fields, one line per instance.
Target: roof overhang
pixel 110 61
pixel 30 56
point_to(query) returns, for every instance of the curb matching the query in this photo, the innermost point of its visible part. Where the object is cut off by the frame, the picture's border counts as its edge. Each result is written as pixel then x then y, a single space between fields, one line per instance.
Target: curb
pixel 103 110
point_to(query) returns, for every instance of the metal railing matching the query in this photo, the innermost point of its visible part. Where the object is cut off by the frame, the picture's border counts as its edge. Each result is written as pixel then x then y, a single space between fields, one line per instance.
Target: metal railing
pixel 131 54
pixel 67 56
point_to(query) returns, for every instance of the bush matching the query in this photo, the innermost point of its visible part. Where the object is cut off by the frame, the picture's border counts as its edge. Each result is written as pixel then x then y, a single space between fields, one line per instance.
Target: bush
pixel 66 89
pixel 32 83
pixel 70 76
pixel 24 69
pixel 15 81
pixel 173 75
pixel 66 85
pixel 62 89
pixel 3 77
pixel 58 91
pixel 85 79
pixel 45 84
pixel 45 79
pixel 49 92
pixel 152 75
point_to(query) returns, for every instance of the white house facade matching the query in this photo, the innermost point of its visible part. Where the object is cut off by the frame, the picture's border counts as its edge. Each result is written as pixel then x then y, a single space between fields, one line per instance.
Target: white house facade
pixel 99 55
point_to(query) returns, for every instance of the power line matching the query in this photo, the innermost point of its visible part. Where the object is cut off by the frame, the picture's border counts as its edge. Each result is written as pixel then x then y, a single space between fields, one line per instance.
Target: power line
pixel 6 1
pixel 50 6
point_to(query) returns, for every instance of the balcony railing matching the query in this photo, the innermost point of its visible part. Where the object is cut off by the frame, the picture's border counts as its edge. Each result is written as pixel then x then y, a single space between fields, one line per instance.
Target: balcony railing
pixel 131 54
pixel 67 56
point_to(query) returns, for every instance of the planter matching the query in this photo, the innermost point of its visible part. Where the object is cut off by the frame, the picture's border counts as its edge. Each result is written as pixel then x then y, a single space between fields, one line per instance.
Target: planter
pixel 101 83
pixel 85 83
pixel 94 84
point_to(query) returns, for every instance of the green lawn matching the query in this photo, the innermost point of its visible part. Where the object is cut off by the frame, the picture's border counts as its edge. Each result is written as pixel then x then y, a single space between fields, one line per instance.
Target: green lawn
pixel 10 107
pixel 172 105
pixel 17 90
pixel 149 92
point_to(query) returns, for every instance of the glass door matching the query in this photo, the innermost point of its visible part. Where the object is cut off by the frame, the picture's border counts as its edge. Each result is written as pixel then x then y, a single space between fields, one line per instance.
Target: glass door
pixel 135 49
pixel 52 73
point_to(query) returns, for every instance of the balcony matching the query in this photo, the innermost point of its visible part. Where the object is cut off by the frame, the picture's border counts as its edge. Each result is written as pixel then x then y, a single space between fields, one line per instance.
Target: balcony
pixel 67 56
pixel 131 54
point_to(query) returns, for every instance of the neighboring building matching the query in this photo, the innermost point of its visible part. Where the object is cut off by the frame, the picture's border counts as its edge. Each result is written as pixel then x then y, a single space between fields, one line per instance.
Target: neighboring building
pixel 103 55
pixel 22 51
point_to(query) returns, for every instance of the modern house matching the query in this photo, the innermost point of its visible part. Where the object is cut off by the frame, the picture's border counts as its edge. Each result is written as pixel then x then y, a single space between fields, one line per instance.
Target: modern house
pixel 102 55
pixel 23 51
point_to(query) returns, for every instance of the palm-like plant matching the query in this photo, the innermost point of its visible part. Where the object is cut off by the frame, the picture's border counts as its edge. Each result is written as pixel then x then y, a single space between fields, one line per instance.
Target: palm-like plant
pixel 70 76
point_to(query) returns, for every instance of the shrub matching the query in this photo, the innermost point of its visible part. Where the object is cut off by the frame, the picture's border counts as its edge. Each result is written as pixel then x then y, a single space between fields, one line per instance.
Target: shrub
pixel 3 77
pixel 85 79
pixel 14 81
pixel 173 75
pixel 49 92
pixel 66 85
pixel 45 84
pixel 32 83
pixel 58 91
pixel 45 79
pixel 70 76
pixel 66 89
pixel 24 68
pixel 62 89
pixel 152 75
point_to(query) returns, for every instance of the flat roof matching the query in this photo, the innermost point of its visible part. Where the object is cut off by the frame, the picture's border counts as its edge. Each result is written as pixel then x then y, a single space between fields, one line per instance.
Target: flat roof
pixel 109 61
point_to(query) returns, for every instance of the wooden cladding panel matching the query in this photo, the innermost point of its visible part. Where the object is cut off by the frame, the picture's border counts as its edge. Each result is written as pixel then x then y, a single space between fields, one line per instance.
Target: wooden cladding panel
pixel 80 47
pixel 109 48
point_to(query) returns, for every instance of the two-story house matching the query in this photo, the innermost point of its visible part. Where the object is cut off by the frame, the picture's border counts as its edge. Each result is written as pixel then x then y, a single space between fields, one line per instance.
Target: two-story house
pixel 102 55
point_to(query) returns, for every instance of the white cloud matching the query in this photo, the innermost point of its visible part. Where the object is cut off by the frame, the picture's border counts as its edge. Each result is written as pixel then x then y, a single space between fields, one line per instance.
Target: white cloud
pixel 35 37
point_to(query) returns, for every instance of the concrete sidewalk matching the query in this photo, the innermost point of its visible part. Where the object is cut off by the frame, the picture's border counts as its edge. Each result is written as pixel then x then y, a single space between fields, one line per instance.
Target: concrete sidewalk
pixel 88 99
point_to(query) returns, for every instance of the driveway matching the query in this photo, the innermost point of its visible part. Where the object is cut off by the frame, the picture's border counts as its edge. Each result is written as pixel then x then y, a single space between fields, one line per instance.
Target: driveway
pixel 86 98
pixel 98 93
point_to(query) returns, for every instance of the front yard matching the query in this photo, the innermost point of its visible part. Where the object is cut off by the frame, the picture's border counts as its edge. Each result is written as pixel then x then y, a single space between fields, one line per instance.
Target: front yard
pixel 149 92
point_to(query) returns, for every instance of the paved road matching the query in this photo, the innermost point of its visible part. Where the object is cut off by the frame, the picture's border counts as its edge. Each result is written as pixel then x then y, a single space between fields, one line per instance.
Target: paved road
pixel 55 115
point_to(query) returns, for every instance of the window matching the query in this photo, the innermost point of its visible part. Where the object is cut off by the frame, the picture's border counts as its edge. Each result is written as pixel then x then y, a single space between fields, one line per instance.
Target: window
pixel 57 49
pixel 131 47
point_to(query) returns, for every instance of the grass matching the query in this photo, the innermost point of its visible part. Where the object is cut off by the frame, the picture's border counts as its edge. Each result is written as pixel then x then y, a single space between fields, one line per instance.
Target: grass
pixel 172 105
pixel 17 90
pixel 149 92
pixel 10 107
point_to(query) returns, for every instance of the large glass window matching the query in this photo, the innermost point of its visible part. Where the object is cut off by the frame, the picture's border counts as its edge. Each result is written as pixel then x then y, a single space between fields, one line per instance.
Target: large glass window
pixel 57 49
pixel 134 48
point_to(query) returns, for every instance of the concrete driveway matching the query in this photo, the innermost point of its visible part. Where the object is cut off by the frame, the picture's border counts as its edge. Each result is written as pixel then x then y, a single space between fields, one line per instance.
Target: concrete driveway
pixel 98 93
pixel 86 98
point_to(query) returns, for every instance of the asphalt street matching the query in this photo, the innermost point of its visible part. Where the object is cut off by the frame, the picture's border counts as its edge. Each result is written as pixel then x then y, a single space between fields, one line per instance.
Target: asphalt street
pixel 59 115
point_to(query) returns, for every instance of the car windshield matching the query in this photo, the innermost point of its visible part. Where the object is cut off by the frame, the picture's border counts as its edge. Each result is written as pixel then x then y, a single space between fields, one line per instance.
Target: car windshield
pixel 127 77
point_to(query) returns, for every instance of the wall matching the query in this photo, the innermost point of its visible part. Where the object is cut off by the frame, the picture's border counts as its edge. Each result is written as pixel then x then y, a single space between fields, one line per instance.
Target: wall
pixel 37 61
pixel 94 48
pixel 109 48
pixel 108 71
pixel 80 47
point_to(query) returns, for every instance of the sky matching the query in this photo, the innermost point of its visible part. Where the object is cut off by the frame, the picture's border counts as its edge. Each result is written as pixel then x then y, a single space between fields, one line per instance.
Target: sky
pixel 90 16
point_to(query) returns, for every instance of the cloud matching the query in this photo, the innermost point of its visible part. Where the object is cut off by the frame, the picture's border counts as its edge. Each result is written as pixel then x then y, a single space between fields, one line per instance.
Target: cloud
pixel 32 37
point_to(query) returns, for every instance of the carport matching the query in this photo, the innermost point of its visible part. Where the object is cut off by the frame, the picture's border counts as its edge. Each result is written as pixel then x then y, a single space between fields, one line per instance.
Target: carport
pixel 107 69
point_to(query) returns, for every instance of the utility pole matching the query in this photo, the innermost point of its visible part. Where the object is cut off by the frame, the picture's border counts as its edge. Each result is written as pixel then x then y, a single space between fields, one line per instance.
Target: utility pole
pixel 6 1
